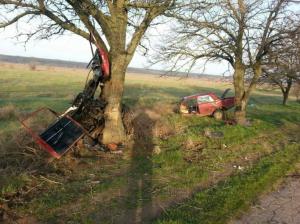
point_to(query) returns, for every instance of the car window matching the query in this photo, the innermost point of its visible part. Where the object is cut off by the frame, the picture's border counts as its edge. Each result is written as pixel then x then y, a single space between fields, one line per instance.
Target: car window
pixel 191 102
pixel 205 99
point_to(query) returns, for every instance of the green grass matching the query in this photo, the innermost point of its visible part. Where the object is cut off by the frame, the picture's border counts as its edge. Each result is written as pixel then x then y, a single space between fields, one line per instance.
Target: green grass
pixel 130 182
pixel 225 200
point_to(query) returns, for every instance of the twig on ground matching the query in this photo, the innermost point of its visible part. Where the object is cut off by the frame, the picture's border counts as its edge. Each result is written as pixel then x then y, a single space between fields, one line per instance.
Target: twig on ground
pixel 50 181
pixel 30 149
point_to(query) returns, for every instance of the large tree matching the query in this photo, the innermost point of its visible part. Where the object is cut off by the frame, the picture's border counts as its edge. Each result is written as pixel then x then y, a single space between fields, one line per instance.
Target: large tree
pixel 240 32
pixel 116 25
pixel 282 65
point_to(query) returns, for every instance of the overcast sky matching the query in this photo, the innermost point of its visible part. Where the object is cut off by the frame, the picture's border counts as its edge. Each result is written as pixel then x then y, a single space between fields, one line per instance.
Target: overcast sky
pixel 74 48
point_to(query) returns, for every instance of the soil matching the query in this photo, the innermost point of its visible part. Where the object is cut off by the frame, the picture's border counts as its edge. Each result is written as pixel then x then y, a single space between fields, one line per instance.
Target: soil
pixel 281 206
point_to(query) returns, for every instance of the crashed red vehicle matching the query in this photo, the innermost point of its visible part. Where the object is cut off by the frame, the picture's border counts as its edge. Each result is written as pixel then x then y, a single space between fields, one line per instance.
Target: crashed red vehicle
pixel 208 104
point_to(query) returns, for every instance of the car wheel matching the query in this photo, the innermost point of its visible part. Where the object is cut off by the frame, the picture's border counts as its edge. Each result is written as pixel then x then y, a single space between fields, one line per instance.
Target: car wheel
pixel 218 115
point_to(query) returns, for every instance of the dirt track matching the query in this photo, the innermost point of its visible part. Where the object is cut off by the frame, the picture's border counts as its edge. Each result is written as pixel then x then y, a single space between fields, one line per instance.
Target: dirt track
pixel 281 206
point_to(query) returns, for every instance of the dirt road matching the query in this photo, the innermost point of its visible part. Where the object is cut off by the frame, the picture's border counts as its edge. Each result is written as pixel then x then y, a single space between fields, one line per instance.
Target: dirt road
pixel 281 206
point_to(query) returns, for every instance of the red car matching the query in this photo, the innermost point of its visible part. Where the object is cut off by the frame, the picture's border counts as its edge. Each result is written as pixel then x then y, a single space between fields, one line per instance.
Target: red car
pixel 208 104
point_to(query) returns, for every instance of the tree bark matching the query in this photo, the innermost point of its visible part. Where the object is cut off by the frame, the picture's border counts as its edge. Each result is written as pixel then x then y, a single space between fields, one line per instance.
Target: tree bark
pixel 286 91
pixel 239 87
pixel 240 112
pixel 285 98
pixel 112 93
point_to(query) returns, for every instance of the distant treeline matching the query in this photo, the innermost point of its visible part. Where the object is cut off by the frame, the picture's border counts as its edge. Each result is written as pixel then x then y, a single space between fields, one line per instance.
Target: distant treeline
pixel 41 61
pixel 82 65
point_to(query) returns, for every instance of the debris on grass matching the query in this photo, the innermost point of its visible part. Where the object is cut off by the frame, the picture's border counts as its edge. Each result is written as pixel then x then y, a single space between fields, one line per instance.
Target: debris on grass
pixel 213 134
pixel 238 167
pixel 156 150
pixel 112 147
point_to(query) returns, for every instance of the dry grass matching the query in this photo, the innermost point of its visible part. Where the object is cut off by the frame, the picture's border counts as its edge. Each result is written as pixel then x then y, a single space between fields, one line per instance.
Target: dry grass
pixel 187 158
pixel 7 112
pixel 32 66
pixel 46 68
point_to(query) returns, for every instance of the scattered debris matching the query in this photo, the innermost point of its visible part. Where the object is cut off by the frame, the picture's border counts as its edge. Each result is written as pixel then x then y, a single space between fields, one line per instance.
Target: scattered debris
pixel 156 150
pixel 112 147
pixel 83 118
pixel 238 167
pixel 213 134
pixel 95 182
pixel 116 152
pixel 224 146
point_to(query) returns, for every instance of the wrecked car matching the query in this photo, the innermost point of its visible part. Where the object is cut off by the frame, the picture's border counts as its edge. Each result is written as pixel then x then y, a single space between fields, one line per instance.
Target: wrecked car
pixel 206 104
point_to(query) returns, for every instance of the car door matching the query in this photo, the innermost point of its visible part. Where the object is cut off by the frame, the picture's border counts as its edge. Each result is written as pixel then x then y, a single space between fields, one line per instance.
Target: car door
pixel 206 104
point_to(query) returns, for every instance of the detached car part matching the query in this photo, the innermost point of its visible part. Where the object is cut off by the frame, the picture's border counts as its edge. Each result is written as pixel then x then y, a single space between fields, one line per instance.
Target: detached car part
pixel 85 114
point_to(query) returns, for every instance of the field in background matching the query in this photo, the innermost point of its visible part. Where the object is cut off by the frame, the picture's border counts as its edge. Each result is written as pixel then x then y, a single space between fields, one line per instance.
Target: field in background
pixel 173 162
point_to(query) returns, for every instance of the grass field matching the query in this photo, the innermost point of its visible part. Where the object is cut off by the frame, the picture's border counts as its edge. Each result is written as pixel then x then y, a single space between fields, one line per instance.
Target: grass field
pixel 166 177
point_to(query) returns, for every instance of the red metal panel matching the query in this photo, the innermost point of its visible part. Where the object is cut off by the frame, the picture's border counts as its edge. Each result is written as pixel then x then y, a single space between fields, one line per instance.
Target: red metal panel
pixel 228 102
pixel 36 137
pixel 105 62
pixel 43 143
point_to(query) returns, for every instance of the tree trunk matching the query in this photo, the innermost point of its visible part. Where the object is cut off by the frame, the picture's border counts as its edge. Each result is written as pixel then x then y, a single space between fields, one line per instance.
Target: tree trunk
pixel 286 91
pixel 240 112
pixel 285 98
pixel 114 131
pixel 240 101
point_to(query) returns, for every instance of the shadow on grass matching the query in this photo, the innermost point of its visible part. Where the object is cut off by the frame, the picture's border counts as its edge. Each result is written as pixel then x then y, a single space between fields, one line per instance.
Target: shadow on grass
pixel 139 189
pixel 134 202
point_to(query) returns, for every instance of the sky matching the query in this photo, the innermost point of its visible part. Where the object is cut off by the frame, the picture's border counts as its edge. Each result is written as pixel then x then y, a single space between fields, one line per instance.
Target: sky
pixel 73 48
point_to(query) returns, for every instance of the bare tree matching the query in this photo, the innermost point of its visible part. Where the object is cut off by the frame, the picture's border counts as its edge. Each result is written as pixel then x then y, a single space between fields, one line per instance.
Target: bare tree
pixel 240 32
pixel 116 25
pixel 282 67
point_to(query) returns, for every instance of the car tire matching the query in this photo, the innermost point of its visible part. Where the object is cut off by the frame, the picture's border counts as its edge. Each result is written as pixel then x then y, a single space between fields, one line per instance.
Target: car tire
pixel 218 115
